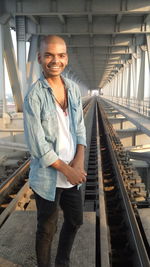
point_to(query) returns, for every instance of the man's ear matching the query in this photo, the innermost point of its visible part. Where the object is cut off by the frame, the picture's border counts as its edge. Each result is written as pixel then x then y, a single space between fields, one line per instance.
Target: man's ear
pixel 39 58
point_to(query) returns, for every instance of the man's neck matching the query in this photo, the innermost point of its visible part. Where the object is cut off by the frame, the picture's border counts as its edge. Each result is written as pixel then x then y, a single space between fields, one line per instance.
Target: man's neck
pixel 55 81
pixel 57 86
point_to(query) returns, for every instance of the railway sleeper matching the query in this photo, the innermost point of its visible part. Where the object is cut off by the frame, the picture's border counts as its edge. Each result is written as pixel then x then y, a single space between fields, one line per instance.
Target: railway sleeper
pixel 92 167
pixel 92 172
pixel 134 179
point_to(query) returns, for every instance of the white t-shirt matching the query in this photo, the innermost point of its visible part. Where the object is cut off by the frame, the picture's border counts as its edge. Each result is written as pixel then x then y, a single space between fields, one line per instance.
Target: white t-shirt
pixel 66 146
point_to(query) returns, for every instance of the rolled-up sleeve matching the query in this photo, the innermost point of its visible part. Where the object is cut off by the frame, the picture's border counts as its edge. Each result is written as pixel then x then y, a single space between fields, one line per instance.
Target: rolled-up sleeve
pixel 35 136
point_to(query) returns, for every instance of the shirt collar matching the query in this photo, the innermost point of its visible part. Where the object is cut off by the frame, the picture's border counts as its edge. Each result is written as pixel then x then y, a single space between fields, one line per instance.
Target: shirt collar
pixel 46 85
pixel 44 81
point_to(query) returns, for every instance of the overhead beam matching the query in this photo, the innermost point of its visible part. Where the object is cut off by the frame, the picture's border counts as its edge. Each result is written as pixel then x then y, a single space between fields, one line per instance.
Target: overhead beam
pixel 78 66
pixel 61 18
pixel 66 20
pixel 90 45
pixel 90 33
pixel 105 40
pixel 35 19
pixel 83 13
pixel 104 56
pixel 4 18
pixel 51 25
pixel 104 52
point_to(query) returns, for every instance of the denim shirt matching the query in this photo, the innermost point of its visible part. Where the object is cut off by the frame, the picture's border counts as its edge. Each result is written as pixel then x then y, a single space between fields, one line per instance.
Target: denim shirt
pixel 41 132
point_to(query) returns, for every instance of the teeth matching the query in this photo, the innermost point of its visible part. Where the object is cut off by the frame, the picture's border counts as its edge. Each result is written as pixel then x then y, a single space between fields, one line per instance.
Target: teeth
pixel 54 67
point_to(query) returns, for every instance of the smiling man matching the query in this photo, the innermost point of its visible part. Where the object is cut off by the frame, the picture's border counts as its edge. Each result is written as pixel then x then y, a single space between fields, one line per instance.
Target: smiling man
pixel 55 134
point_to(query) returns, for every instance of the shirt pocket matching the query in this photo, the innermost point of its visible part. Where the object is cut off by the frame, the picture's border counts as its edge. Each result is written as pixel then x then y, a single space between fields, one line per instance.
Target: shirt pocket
pixel 49 124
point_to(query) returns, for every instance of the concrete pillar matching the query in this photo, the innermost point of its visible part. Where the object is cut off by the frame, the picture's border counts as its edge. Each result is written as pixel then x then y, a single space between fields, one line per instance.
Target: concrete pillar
pixel 138 63
pixel 147 76
pixel 118 85
pixel 125 82
pixel 148 44
pixel 148 48
pixel 132 79
pixel 110 89
pixel 114 86
pixel 133 67
pixel 121 82
pixel 121 124
pixel 12 68
pixel 21 52
pixel 111 93
pixel 33 67
pixel 140 93
pixel 128 84
pixel 125 78
pixel 134 139
pixel 2 72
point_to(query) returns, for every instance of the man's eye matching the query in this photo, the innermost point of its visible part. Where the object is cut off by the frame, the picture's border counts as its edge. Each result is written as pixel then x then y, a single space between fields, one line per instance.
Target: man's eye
pixel 48 56
pixel 62 55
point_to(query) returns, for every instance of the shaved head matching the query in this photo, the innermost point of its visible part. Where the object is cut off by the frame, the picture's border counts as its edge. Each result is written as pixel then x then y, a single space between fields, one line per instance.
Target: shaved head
pixel 51 39
pixel 52 55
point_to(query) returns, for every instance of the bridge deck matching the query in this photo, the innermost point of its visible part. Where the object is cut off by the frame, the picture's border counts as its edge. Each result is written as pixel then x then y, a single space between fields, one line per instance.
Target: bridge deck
pixel 145 219
pixel 139 120
pixel 17 241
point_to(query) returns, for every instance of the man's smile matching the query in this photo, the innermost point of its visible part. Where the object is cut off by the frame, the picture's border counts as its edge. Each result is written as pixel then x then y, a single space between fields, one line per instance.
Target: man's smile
pixel 53 67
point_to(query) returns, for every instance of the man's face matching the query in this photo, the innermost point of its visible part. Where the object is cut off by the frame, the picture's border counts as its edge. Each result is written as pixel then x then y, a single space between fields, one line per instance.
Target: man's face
pixel 53 58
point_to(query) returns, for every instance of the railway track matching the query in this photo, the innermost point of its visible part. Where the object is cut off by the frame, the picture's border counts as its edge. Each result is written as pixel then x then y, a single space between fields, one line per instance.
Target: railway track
pixel 124 191
pixel 7 170
pixel 113 190
pixel 14 190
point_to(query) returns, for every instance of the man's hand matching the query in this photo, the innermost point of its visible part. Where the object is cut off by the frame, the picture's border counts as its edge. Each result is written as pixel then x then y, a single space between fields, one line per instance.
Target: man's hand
pixel 75 176
pixel 74 172
pixel 78 165
pixel 78 162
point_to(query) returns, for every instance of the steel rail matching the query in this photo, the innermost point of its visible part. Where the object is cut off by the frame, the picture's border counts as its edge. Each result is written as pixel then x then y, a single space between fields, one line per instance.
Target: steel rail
pixel 104 233
pixel 13 179
pixel 142 256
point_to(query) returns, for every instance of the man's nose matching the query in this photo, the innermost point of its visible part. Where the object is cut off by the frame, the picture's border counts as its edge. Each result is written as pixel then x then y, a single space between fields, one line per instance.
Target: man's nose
pixel 55 59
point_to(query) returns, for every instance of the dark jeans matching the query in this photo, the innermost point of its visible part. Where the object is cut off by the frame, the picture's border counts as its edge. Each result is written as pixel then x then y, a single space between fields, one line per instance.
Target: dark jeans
pixel 70 201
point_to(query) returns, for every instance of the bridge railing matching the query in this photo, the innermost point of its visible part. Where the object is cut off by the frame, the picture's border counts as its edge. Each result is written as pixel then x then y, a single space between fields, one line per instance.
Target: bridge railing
pixel 142 107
